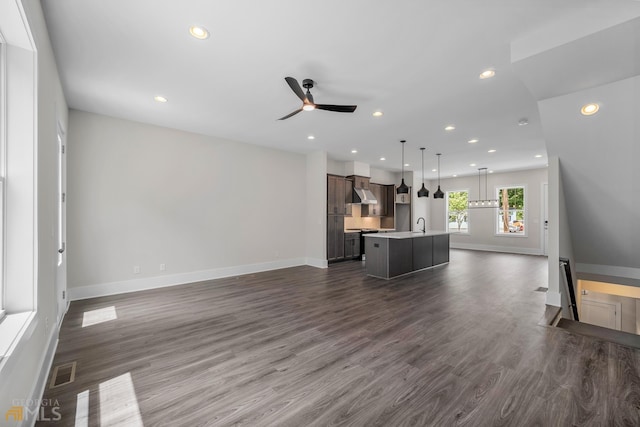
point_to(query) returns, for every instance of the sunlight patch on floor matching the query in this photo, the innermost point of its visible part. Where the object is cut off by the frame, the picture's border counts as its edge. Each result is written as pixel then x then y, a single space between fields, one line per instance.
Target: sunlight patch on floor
pixel 118 403
pixel 82 409
pixel 99 315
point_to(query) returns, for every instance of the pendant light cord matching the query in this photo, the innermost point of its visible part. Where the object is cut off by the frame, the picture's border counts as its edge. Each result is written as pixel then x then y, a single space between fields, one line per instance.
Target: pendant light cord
pixel 402 168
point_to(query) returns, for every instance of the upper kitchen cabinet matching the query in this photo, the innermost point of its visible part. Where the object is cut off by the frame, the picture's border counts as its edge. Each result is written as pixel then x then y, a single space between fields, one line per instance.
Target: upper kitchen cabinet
pixel 336 189
pixel 404 198
pixel 348 196
pixel 390 191
pixel 360 181
pixel 380 193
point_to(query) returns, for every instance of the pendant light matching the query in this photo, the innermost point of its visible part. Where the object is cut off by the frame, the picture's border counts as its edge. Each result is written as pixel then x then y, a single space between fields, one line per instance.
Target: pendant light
pixel 423 192
pixel 438 194
pixel 402 189
pixel 486 202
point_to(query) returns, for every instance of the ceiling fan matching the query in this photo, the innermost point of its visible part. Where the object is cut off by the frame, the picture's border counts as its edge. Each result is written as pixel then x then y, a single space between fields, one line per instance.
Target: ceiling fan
pixel 307 99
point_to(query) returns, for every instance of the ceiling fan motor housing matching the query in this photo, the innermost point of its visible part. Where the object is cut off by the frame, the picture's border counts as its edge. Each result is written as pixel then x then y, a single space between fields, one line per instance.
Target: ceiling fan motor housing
pixel 307 83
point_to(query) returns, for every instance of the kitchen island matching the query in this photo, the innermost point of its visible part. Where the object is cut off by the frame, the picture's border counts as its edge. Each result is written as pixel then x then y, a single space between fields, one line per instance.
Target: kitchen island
pixel 394 254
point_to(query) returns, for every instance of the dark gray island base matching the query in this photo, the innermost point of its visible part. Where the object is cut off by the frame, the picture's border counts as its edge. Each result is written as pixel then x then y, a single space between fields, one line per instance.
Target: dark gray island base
pixel 393 254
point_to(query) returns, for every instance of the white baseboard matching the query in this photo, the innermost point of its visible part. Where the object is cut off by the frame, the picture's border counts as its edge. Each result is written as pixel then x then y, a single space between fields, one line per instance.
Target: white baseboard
pixel 45 367
pixel 491 248
pixel 316 262
pixel 608 270
pixel 114 288
pixel 554 298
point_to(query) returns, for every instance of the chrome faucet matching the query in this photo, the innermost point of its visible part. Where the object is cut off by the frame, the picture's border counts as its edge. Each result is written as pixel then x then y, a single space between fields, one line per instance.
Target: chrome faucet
pixel 424 227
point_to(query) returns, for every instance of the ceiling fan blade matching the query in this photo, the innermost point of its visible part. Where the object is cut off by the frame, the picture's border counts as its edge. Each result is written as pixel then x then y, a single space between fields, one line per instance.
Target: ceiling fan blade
pixel 291 114
pixel 337 108
pixel 295 87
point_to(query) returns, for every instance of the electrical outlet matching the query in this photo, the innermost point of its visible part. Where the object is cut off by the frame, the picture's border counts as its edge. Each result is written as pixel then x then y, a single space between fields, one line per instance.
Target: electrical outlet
pixel 64 294
pixel 136 269
pixel 163 267
pixel 46 324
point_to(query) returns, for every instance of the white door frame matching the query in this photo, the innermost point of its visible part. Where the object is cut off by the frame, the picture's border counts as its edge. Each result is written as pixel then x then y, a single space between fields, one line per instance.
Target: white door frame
pixel 544 236
pixel 61 226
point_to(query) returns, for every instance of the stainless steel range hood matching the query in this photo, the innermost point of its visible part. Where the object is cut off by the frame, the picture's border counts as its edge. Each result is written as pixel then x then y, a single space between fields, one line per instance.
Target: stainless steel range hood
pixel 364 197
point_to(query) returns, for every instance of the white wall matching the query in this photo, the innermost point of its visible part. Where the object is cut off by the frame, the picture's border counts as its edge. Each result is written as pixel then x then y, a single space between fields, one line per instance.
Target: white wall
pixel 24 371
pixel 421 205
pixel 482 223
pixel 316 205
pixel 384 177
pixel 143 195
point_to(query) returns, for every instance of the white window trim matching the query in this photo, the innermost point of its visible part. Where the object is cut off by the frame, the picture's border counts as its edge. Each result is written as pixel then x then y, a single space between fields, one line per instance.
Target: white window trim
pixel 19 137
pixel 3 136
pixel 526 212
pixel 446 214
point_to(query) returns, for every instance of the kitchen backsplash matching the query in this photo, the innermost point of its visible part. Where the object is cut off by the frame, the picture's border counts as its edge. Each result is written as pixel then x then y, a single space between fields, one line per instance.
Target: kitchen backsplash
pixel 356 221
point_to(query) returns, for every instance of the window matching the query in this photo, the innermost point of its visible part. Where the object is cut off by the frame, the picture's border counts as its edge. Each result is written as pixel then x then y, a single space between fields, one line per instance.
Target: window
pixel 457 213
pixel 510 217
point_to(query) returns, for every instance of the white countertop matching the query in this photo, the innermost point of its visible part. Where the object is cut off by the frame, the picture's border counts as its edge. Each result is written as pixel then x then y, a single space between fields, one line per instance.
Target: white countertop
pixel 405 234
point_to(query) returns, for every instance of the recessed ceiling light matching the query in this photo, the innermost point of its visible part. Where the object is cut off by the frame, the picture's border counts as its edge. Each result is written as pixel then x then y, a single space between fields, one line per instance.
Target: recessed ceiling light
pixel 354 151
pixel 589 109
pixel 198 32
pixel 311 137
pixel 472 164
pixel 434 170
pixel 472 141
pixel 490 171
pixel 491 151
pixel 450 127
pixel 487 74
pixel 406 165
pixel 538 156
pixel 523 121
pixel 454 175
pixel 377 113
pixel 159 98
pixel 382 158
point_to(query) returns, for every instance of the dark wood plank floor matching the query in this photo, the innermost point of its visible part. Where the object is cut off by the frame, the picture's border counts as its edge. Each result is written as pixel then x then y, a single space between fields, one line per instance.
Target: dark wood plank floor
pixel 455 345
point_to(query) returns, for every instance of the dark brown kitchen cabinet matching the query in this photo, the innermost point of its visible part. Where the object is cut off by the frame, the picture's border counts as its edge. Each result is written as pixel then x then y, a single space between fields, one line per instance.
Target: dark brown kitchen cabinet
pixel 390 191
pixel 360 181
pixel 351 245
pixel 336 195
pixel 348 196
pixel 380 208
pixel 335 237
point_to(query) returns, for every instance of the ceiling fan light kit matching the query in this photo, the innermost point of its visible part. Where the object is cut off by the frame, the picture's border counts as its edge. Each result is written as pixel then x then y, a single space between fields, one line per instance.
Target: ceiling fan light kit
pixel 423 192
pixel 486 202
pixel 308 103
pixel 402 189
pixel 439 194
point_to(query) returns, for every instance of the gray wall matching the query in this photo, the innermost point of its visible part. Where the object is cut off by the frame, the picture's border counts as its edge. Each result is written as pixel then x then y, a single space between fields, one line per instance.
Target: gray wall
pixel 597 154
pixel 143 195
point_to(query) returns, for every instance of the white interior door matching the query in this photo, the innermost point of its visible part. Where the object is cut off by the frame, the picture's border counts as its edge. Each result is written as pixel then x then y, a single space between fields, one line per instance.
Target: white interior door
pixel 545 219
pixel 605 314
pixel 61 270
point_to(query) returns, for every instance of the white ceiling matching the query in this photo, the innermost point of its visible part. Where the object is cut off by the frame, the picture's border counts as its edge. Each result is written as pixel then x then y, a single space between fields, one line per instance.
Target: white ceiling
pixel 418 62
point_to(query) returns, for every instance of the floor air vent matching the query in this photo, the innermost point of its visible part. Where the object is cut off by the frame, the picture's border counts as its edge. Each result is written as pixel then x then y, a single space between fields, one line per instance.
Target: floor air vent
pixel 541 289
pixel 63 374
